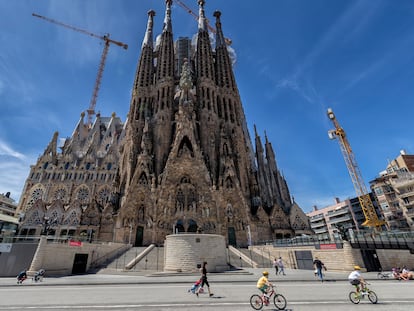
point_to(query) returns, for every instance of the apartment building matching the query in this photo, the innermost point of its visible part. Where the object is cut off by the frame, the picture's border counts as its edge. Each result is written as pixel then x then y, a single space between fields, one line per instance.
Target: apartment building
pixel 7 205
pixel 344 215
pixel 394 192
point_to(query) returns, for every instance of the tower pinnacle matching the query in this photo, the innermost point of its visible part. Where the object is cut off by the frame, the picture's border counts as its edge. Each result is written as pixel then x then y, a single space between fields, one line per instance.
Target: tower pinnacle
pixel 148 39
pixel 219 32
pixel 202 24
pixel 167 19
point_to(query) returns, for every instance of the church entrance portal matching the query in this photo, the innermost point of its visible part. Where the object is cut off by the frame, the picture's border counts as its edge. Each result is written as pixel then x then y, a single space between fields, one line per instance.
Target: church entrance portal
pixel 191 226
pixel 139 236
pixel 232 236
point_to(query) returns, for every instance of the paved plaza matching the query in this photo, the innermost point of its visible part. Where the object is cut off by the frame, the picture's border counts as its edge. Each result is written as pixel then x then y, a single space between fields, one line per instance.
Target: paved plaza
pixel 151 290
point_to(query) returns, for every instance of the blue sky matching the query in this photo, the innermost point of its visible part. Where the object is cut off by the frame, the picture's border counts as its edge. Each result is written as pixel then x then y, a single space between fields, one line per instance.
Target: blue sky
pixel 295 58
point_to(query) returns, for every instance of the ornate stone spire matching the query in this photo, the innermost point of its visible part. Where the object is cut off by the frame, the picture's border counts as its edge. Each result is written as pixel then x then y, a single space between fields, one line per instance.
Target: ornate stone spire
pixel 202 23
pixel 167 19
pixel 219 32
pixel 148 39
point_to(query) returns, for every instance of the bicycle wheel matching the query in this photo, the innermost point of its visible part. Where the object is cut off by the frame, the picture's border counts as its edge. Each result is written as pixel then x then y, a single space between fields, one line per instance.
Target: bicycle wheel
pixel 372 296
pixel 256 302
pixel 380 275
pixel 354 297
pixel 279 301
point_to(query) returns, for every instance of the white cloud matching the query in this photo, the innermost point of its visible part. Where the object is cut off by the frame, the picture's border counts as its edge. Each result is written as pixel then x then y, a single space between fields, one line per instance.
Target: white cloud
pixel 14 168
pixel 5 150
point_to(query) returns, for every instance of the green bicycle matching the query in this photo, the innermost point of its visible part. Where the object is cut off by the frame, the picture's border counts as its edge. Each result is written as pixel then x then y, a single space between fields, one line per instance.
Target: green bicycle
pixel 356 296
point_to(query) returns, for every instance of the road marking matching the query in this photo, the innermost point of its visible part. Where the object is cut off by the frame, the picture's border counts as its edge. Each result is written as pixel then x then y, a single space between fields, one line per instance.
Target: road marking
pixel 182 305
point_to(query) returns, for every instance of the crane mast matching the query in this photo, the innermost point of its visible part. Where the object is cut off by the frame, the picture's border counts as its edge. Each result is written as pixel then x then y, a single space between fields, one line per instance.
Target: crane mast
pixel 371 217
pixel 105 38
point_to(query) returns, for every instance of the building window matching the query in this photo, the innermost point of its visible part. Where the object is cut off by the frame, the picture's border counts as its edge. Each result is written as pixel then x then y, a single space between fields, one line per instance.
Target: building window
pixel 378 191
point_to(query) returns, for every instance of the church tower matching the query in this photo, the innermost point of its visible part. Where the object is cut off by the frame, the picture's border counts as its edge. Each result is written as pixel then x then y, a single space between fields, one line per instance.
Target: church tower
pixel 187 162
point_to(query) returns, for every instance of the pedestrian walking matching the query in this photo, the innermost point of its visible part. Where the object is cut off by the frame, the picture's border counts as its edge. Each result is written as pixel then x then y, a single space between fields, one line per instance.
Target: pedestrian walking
pixel 276 265
pixel 319 265
pixel 281 266
pixel 204 280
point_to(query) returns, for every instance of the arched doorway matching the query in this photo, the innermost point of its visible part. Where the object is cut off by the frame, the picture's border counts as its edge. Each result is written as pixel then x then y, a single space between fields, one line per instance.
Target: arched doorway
pixel 192 226
pixel 179 226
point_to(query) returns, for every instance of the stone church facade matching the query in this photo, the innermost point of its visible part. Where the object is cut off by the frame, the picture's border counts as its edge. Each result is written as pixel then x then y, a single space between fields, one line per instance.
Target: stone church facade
pixel 182 162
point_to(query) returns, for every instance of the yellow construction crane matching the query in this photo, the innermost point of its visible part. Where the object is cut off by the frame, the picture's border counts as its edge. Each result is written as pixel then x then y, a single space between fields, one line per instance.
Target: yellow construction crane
pixel 105 38
pixel 212 29
pixel 371 217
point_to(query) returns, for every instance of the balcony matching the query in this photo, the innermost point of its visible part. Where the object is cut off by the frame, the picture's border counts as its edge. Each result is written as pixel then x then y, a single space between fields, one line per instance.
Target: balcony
pixel 321 230
pixel 338 212
pixel 410 211
pixel 317 217
pixel 340 219
pixel 318 225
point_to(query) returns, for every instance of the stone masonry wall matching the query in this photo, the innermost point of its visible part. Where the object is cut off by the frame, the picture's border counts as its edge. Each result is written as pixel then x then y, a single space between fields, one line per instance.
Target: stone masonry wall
pixel 183 252
pixel 58 258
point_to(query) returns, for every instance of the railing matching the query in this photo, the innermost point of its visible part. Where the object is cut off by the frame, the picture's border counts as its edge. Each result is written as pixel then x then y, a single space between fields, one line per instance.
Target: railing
pixel 385 240
pixel 303 241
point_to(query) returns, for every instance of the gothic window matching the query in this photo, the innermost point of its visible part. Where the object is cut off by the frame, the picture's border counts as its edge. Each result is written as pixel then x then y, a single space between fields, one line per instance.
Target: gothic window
pixel 36 195
pixel 180 200
pixel 185 180
pixel 229 183
pixel 225 150
pixel 34 219
pixel 103 196
pixel 191 200
pixel 72 219
pixel 219 107
pixel 141 214
pixel 143 179
pixel 185 148
pixel 83 194
pixel 59 194
pixel 229 211
pixel 226 117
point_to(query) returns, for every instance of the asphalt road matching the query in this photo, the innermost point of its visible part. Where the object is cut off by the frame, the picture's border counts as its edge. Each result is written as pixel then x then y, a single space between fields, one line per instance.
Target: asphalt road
pixel 331 295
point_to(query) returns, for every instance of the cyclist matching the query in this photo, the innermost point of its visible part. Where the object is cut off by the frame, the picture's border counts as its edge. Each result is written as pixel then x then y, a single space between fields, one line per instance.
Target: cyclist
pixel 263 284
pixel 356 279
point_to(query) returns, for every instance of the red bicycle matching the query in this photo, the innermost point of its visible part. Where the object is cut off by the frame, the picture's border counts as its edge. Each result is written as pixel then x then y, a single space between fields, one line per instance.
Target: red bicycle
pixel 258 301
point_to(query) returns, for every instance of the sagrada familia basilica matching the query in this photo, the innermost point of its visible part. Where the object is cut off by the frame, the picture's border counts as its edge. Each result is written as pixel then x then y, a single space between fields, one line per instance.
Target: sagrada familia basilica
pixel 183 161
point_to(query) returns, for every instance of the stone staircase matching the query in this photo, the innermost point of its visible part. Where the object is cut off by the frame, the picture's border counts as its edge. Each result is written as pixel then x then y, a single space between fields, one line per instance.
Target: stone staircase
pixel 153 261
pixel 238 259
pixel 250 258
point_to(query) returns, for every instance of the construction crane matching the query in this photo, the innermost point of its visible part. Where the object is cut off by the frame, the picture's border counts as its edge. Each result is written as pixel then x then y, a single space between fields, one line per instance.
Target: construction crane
pixel 371 217
pixel 212 29
pixel 105 38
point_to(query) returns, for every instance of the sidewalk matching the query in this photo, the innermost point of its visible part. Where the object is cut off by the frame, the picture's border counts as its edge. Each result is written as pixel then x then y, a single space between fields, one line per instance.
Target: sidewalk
pixel 157 277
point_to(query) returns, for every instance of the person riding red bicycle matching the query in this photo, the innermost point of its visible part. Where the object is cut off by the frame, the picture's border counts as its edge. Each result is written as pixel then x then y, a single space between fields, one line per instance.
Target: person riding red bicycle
pixel 263 285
